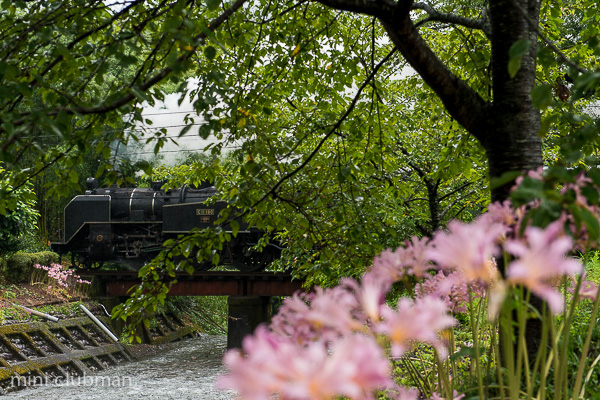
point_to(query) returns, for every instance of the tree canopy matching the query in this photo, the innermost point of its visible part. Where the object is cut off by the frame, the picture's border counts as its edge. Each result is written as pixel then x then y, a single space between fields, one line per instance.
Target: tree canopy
pixel 357 123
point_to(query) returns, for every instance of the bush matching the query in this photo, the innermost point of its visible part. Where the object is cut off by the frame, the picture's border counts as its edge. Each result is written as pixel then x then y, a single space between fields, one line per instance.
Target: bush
pixel 18 268
pixel 18 216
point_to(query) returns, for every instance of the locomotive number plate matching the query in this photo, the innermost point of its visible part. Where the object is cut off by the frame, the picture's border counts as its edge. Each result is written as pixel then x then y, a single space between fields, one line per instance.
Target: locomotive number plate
pixel 204 220
pixel 205 211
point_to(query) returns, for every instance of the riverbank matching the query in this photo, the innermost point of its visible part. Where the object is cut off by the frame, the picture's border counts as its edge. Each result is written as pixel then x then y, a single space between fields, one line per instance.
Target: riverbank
pixel 34 350
pixel 60 302
pixel 41 352
pixel 180 371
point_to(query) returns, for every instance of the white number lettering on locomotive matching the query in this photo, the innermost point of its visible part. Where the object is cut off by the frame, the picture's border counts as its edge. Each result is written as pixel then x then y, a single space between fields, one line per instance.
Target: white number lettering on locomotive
pixel 205 211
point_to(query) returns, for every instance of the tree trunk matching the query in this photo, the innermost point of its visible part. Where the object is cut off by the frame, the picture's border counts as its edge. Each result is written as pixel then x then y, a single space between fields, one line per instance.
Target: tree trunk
pixel 433 198
pixel 511 141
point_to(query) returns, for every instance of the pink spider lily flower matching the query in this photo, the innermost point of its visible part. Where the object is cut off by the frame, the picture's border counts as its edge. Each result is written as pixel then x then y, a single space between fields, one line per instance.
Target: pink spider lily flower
pixel 326 313
pixel 371 370
pixel 537 174
pixel 415 321
pixel 496 295
pixel 370 294
pixel 469 248
pixel 402 393
pixel 452 288
pixel 455 395
pixel 389 265
pixel 588 290
pixel 417 261
pixel 541 261
pixel 255 375
pixel 354 366
pixel 504 214
pixel 410 259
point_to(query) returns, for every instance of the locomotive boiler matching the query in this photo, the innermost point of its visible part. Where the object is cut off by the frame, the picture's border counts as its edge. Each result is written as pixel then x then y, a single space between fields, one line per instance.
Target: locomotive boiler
pixel 129 226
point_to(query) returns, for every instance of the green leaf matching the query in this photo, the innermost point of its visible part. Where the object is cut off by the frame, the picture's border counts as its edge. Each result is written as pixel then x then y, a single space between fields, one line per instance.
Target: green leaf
pixel 515 54
pixel 519 48
pixel 204 131
pixel 514 66
pixel 213 4
pixel 591 194
pixel 235 227
pixel 210 52
pixel 587 81
pixel 541 96
pixel 106 152
pixel 506 178
pixel 189 268
pixel 591 223
pixel 140 94
pixel 185 130
pixel 211 35
pixel 594 174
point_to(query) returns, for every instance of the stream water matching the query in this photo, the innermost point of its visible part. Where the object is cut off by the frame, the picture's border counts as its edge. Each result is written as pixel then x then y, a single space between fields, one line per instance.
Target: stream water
pixel 186 370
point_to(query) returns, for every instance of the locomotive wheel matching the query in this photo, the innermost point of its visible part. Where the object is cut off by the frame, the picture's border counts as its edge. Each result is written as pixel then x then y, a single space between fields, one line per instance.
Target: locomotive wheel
pixel 253 261
pixel 96 266
pixel 82 263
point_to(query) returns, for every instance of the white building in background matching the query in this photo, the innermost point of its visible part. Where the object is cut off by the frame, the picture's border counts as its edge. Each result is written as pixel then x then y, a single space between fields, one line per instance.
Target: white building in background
pixel 167 114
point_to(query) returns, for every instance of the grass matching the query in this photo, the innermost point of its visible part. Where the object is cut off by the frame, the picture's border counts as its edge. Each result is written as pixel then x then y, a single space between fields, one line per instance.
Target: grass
pixel 16 314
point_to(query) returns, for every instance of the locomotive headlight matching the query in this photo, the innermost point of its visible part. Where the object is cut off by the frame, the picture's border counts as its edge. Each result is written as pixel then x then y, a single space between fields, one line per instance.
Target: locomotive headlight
pixel 99 238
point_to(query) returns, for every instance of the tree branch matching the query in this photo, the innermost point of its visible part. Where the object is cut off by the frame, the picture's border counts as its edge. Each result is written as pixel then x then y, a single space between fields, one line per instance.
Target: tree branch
pixel 329 134
pixel 436 16
pixel 375 8
pixel 451 205
pixel 462 102
pixel 458 189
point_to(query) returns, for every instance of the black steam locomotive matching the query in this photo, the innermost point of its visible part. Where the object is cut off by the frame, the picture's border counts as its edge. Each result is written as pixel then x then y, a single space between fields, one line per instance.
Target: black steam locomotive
pixel 129 226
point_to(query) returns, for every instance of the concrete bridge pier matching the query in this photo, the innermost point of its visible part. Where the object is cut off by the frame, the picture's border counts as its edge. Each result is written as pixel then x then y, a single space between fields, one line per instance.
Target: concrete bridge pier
pixel 245 314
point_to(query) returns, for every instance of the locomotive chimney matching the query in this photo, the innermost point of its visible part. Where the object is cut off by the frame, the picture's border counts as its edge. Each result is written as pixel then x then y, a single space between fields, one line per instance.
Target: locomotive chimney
pixel 91 183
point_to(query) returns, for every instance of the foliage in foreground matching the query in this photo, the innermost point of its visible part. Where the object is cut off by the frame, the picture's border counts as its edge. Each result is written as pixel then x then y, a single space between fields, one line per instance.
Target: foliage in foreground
pixel 337 341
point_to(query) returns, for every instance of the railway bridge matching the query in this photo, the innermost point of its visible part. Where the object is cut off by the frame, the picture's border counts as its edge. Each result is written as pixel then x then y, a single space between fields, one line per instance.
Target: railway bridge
pixel 249 294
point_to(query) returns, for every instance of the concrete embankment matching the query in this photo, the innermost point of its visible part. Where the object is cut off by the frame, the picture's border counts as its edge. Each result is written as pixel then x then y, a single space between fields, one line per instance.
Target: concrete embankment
pixel 45 352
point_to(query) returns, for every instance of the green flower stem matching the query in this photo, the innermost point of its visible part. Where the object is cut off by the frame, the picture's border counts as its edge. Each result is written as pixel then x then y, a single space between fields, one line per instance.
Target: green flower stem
pixel 506 332
pixel 522 303
pixel 541 356
pixel 475 329
pixel 561 382
pixel 444 379
pixel 586 348
pixel 452 351
pixel 497 357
